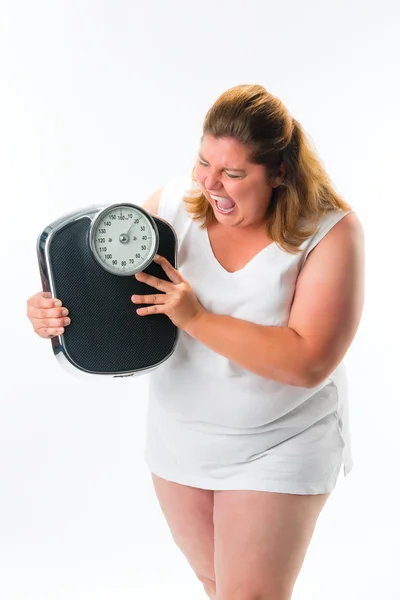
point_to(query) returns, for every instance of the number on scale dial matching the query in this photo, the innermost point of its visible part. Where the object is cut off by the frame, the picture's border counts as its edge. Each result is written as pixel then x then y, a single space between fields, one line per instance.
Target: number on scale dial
pixel 124 239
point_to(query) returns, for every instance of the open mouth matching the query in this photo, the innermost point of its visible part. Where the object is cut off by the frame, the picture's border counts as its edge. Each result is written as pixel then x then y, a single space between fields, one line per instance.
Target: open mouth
pixel 224 206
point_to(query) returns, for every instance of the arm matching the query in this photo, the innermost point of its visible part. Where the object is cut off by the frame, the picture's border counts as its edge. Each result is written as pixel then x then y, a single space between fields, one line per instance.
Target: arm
pixel 323 321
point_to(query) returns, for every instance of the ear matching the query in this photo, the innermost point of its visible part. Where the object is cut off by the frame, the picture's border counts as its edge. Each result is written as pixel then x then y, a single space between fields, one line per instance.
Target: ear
pixel 279 178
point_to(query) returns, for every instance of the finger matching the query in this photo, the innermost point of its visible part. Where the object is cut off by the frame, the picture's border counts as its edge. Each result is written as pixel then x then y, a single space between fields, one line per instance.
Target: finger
pixel 172 273
pixel 46 313
pixel 50 323
pixel 48 333
pixel 155 282
pixel 150 299
pixel 43 300
pixel 151 310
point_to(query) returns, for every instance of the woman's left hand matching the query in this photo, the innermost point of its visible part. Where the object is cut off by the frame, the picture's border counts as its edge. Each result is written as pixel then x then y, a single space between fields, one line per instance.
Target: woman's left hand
pixel 178 302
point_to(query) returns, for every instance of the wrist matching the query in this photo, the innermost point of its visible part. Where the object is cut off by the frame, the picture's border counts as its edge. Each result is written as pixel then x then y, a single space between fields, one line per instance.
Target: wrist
pixel 196 323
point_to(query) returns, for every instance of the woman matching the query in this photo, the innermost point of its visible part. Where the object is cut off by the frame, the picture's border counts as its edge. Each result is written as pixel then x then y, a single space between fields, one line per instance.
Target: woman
pixel 248 420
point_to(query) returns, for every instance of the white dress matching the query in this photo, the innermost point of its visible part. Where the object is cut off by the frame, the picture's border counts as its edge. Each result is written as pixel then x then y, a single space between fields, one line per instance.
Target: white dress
pixel 212 424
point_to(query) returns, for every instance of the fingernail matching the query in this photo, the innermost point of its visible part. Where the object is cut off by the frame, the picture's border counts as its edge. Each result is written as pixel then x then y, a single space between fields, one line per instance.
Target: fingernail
pixel 58 303
pixel 67 321
pixel 65 311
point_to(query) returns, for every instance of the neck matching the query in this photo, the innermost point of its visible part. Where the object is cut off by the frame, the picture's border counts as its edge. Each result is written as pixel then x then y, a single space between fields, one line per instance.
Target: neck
pixel 235 233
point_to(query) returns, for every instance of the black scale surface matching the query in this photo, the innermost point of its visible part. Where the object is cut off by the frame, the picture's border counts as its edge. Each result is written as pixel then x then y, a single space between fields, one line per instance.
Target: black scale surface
pixel 106 335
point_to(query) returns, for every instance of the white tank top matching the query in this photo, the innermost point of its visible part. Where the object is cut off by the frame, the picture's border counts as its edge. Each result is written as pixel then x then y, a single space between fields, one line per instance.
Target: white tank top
pixel 209 393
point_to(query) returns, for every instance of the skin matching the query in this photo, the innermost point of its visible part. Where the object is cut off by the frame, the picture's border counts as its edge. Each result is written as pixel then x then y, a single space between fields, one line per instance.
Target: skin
pixel 244 544
pixel 249 187
pixel 47 315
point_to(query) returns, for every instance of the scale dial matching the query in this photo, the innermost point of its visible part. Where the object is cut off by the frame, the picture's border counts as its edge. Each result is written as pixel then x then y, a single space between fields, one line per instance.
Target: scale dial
pixel 124 239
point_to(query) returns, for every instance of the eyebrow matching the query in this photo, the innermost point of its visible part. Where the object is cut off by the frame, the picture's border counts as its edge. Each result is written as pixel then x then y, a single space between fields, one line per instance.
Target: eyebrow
pixel 226 168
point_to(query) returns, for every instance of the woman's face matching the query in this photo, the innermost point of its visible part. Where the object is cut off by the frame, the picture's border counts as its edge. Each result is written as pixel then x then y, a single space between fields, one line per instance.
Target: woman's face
pixel 237 190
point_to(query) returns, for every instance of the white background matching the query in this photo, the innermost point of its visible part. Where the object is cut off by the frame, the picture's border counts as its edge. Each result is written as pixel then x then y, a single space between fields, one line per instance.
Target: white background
pixel 103 101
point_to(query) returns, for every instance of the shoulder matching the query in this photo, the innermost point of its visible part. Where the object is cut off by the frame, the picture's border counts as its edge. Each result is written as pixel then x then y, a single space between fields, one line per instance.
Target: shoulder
pixel 336 227
pixel 173 190
pixel 338 230
pixel 152 202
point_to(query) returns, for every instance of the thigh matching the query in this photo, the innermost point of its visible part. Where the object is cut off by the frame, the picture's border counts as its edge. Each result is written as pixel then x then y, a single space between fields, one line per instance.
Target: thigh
pixel 189 515
pixel 261 539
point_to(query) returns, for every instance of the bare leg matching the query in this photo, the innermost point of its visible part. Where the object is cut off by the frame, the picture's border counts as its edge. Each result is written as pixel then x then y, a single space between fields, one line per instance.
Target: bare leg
pixel 261 539
pixel 189 514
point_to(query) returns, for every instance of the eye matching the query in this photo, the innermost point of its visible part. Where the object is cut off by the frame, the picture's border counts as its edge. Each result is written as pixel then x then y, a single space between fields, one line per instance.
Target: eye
pixel 204 164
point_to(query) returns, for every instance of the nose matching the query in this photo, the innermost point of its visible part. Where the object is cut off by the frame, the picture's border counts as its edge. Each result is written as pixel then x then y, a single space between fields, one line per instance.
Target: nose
pixel 212 182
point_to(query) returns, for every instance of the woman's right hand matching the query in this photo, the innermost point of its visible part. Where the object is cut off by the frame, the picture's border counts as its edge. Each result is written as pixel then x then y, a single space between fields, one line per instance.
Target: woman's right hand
pixel 47 315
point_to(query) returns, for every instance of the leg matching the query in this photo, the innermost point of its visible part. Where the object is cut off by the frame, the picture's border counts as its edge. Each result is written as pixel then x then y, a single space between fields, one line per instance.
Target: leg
pixel 189 514
pixel 261 539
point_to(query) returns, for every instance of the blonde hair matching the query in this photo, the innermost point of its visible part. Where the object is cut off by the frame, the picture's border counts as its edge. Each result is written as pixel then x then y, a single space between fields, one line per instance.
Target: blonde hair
pixel 260 121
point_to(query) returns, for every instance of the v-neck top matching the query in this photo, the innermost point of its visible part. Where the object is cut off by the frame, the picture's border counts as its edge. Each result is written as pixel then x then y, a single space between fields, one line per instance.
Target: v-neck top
pixel 218 267
pixel 211 395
